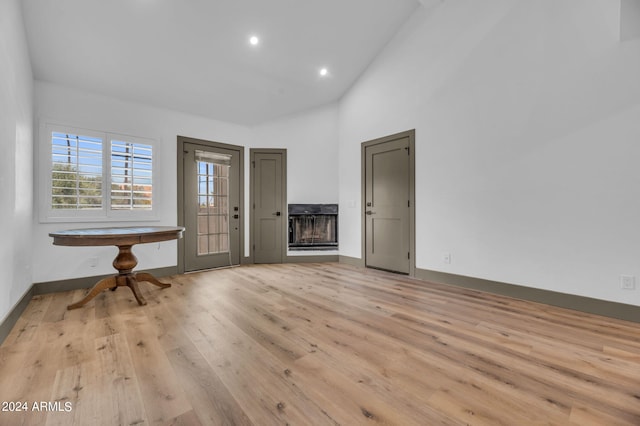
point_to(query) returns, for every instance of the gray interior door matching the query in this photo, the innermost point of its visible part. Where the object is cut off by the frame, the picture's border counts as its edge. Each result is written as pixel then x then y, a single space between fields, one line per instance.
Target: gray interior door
pixel 268 206
pixel 211 207
pixel 387 205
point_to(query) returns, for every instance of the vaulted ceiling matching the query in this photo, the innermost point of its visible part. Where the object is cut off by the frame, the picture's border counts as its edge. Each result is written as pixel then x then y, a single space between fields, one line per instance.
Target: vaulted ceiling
pixel 194 55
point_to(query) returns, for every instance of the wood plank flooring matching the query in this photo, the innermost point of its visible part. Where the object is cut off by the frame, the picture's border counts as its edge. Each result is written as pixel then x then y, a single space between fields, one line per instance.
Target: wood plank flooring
pixel 316 344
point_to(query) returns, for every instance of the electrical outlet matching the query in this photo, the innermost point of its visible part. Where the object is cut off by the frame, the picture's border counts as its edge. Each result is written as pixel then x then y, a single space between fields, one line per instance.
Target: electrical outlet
pixel 446 258
pixel 627 282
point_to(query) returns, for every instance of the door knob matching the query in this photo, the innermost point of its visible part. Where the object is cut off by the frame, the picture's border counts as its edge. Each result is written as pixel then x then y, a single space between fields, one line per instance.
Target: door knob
pixel 277 213
pixel 369 212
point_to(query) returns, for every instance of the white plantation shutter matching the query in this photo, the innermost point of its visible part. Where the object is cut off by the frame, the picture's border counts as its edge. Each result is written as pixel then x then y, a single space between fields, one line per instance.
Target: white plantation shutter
pixel 95 176
pixel 131 176
pixel 76 172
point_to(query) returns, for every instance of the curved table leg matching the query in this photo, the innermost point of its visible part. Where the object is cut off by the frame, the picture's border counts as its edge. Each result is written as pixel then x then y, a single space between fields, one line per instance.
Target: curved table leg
pixel 144 276
pixel 100 285
pixel 132 283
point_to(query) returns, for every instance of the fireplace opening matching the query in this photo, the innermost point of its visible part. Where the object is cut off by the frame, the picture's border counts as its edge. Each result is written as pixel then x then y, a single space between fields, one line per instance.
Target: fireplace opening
pixel 313 226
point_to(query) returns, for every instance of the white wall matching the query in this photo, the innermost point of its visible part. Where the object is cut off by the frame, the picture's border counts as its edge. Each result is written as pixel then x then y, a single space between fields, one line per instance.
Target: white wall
pixel 16 140
pixel 527 118
pixel 310 139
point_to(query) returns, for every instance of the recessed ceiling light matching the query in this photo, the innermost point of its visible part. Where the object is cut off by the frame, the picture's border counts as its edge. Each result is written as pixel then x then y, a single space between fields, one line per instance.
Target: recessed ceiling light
pixel 324 72
pixel 254 40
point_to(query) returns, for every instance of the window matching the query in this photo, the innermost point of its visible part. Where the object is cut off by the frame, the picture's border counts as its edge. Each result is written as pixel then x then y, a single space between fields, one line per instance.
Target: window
pixel 97 175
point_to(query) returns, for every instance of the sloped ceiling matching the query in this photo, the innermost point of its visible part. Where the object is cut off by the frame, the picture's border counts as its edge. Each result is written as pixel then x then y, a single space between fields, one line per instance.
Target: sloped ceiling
pixel 194 55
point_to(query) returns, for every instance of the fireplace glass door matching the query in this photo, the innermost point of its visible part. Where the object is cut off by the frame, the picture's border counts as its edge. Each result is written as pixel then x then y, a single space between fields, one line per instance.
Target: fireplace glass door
pixel 313 226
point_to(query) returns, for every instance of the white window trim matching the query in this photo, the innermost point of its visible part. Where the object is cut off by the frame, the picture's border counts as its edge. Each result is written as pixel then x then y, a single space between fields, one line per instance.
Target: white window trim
pixel 105 214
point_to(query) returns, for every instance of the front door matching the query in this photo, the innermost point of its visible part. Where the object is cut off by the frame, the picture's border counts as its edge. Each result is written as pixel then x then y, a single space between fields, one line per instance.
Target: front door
pixel 387 209
pixel 269 208
pixel 211 206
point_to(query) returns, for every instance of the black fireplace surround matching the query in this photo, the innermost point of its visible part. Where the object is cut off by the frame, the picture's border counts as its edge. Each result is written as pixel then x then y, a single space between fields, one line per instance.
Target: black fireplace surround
pixel 313 226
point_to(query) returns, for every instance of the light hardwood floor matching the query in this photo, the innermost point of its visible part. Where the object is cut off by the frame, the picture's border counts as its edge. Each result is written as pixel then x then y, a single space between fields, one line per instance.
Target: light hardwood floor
pixel 317 344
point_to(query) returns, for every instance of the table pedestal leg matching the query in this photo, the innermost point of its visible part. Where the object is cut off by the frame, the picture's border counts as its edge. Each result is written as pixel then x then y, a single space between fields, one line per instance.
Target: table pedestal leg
pixel 145 276
pixel 110 282
pixel 132 283
pixel 124 263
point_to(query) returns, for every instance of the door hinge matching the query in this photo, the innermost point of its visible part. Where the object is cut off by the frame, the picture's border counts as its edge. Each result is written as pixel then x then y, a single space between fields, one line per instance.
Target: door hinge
pixel 408 203
pixel 254 205
pixel 254 247
pixel 408 150
pixel 409 255
pixel 253 163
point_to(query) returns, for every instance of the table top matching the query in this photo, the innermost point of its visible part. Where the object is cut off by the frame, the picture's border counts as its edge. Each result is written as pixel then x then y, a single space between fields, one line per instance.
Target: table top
pixel 116 236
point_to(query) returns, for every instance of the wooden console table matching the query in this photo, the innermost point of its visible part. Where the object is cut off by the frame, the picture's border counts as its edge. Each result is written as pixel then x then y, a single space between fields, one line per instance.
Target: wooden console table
pixel 125 261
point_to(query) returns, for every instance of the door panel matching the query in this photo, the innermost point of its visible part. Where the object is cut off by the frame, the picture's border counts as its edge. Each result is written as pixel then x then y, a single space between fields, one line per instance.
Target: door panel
pixel 387 214
pixel 268 214
pixel 268 229
pixel 211 207
pixel 389 232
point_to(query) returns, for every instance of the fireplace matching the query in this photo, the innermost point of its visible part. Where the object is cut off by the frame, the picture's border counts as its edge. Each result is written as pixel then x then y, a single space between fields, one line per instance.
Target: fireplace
pixel 313 226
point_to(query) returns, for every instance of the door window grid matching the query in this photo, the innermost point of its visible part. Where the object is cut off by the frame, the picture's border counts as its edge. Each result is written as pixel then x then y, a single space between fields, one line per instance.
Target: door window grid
pixel 213 208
